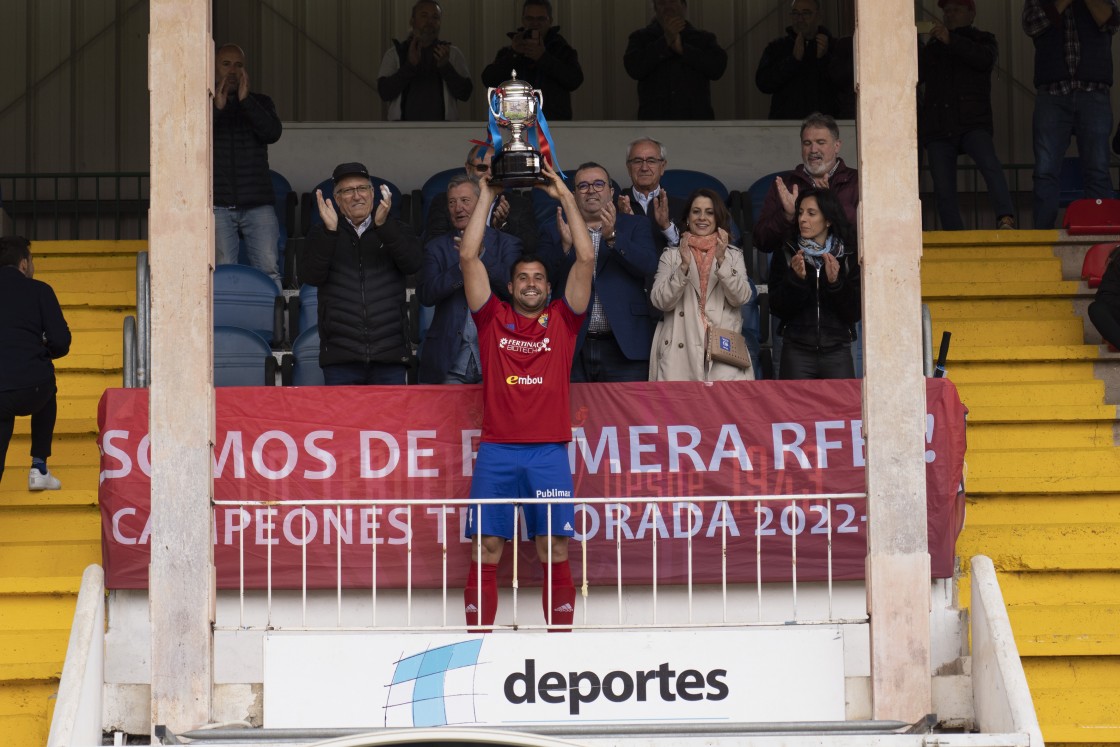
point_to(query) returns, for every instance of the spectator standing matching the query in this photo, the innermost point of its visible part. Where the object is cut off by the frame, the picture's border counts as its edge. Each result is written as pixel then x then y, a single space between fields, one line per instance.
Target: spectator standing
pixel 541 58
pixel 674 63
pixel 815 290
pixel 1072 78
pixel 700 284
pixel 646 160
pixel 422 77
pixel 33 333
pixel 245 124
pixel 525 426
pixel 511 213
pixel 955 65
pixel 615 339
pixel 451 354
pixel 796 69
pixel 358 258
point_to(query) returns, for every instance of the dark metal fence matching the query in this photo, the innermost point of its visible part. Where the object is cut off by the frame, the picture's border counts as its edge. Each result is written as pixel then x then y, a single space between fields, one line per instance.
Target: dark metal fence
pixel 91 205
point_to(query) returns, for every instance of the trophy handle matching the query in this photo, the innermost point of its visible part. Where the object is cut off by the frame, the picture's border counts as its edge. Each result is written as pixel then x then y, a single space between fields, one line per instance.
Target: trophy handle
pixel 540 99
pixel 490 101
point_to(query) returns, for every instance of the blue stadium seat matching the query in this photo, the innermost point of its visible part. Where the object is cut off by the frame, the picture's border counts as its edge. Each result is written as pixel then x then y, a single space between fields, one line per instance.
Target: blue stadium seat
pixel 436 185
pixel 305 354
pixel 756 194
pixel 308 308
pixel 309 205
pixel 247 298
pixel 242 358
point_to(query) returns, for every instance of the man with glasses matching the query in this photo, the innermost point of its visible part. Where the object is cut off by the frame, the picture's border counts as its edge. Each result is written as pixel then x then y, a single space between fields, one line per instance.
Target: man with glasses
pixel 541 58
pixel 797 69
pixel 646 162
pixel 511 213
pixel 674 63
pixel 358 258
pixel 615 339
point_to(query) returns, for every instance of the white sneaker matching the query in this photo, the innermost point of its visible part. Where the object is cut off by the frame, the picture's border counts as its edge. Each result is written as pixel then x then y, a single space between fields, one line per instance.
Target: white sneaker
pixel 36 480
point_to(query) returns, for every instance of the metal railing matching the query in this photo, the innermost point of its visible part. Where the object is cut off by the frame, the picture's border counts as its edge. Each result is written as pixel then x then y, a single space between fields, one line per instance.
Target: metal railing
pixel 67 205
pixel 726 585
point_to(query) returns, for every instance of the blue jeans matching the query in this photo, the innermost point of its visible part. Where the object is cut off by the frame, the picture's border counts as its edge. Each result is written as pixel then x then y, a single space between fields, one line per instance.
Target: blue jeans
pixel 361 374
pixel 261 231
pixel 1057 119
pixel 942 157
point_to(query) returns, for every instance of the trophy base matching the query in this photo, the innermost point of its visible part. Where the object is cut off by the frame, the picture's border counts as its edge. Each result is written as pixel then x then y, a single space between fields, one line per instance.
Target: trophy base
pixel 520 168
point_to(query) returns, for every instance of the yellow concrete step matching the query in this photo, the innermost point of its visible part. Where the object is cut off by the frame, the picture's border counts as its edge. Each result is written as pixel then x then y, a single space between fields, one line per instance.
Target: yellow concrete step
pixel 1043 471
pixel 33 646
pixel 24 705
pixel 1029 394
pixel 84 319
pixel 1076 434
pixel 67 449
pixel 1008 289
pixel 1013 355
pixel 60 524
pixel 58 558
pixel 968 253
pixel 1077 698
pixel 48 266
pixel 1009 509
pixel 92 248
pixel 994 372
pixel 981 241
pixel 1065 331
pixel 75 282
pixel 37 612
pixel 944 309
pixel 1067 630
pixel 94 362
pixel 978 415
pixel 79 382
pixel 1089 546
pixel 988 270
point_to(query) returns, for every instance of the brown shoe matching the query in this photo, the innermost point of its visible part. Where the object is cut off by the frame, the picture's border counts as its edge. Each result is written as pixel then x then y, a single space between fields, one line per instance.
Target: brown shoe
pixel 1006 222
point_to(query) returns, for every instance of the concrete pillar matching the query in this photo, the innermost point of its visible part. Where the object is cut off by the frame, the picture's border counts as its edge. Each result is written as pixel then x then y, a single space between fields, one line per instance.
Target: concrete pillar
pixel 898 566
pixel 181 238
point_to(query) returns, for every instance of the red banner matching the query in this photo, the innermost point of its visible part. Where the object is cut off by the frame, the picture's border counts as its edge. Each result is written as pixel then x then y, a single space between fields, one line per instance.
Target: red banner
pixel 689 444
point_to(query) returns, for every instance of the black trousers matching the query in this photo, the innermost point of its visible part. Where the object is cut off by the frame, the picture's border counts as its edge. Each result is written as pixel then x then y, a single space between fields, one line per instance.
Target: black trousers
pixel 41 404
pixel 803 362
pixel 1105 317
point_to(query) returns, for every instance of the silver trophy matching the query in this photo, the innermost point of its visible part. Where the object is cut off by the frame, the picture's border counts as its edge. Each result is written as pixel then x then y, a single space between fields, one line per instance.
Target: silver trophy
pixel 518 164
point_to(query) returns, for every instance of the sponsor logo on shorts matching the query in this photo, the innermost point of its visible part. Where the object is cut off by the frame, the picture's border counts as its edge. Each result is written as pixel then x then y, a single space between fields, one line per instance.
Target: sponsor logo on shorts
pixel 554 493
pixel 527 347
pixel 524 380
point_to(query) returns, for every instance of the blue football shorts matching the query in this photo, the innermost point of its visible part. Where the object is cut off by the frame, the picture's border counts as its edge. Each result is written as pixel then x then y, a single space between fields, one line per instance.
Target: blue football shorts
pixel 521 471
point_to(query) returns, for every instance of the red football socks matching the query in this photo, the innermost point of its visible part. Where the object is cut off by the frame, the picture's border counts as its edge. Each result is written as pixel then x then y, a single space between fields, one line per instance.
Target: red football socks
pixel 563 596
pixel 481 604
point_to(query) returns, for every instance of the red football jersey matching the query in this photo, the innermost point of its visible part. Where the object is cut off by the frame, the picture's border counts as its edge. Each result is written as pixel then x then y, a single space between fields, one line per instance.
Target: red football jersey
pixel 526 368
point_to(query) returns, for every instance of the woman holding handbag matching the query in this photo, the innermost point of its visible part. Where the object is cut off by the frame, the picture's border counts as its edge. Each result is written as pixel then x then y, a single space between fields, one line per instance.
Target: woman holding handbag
pixel 815 290
pixel 701 286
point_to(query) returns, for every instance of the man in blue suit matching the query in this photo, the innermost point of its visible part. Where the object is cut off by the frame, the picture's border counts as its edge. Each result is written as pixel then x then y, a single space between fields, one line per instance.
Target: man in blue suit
pixel 615 341
pixel 450 352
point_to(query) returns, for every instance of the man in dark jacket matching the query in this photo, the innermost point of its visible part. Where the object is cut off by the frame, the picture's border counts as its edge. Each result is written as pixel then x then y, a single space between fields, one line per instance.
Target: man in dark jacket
pixel 245 124
pixel 358 258
pixel 955 117
pixel 541 58
pixel 645 162
pixel 796 69
pixel 33 332
pixel 451 353
pixel 674 63
pixel 1072 78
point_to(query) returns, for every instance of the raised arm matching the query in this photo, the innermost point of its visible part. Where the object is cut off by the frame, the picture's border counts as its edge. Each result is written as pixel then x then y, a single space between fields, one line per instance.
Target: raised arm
pixel 476 281
pixel 577 289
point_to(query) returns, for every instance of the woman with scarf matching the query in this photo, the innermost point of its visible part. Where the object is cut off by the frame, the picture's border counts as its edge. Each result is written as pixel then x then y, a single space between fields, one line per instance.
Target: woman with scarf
pixel 814 290
pixel 703 266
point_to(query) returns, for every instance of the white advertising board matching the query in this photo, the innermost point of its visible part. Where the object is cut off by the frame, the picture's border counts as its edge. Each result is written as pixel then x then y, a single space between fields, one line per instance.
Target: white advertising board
pixel 371 680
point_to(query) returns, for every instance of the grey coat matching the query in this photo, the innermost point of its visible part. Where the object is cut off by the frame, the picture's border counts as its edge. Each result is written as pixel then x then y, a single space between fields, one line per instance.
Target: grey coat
pixel 678 352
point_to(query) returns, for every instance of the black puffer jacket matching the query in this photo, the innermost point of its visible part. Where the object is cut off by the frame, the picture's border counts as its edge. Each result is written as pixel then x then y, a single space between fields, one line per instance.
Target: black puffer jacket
pixel 363 315
pixel 813 312
pixel 958 84
pixel 243 130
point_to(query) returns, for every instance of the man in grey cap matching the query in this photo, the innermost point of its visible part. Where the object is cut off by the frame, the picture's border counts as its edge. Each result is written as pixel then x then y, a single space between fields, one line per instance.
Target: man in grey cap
pixel 358 258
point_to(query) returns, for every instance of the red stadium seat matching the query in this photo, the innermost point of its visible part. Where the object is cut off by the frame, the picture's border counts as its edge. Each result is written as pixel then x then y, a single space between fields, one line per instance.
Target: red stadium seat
pixel 1093 216
pixel 1096 259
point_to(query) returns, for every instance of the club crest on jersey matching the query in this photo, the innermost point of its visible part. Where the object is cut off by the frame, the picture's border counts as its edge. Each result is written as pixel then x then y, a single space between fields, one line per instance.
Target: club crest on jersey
pixel 543 319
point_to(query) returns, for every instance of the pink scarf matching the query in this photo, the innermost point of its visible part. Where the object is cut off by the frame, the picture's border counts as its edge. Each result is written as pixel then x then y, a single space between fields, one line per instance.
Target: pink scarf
pixel 703 251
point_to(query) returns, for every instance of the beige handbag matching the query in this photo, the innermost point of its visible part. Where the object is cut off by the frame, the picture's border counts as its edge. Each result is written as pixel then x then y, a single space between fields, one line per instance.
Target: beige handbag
pixel 727 346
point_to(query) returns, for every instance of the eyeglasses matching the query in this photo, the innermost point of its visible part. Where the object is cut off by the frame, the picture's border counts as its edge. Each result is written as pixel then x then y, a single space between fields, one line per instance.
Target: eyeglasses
pixel 482 167
pixel 598 185
pixel 349 192
pixel 651 162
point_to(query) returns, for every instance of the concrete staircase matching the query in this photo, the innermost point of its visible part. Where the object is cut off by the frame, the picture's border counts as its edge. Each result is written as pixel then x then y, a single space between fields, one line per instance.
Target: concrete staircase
pixel 47 539
pixel 1043 475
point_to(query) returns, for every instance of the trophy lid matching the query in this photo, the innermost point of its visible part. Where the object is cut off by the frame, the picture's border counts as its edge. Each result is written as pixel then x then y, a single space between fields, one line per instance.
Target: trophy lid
pixel 515 86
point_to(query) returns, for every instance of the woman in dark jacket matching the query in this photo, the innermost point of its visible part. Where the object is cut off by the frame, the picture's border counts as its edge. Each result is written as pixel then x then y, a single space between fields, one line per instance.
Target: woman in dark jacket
pixel 814 290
